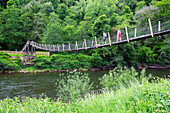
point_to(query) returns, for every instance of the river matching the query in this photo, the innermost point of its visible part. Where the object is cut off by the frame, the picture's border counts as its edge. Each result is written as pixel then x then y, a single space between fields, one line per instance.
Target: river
pixel 34 84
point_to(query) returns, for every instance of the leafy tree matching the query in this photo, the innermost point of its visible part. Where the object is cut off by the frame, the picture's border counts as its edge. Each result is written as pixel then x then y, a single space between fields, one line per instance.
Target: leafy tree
pixel 62 11
pixel 101 24
pixel 79 10
pixel 12 34
pixel 164 7
pixel 47 8
pixel 53 33
pixel 140 5
pixel 84 30
pixel 145 13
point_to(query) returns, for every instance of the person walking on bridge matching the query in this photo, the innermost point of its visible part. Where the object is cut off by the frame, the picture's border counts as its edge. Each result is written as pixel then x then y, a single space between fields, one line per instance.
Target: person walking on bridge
pixel 104 37
pixel 118 35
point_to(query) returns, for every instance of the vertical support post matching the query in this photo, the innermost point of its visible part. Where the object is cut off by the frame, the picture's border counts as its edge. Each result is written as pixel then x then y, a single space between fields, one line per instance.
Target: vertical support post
pixel 150 27
pixel 76 46
pixel 159 26
pixel 85 44
pixel 109 39
pixel 32 52
pixel 42 46
pixel 127 34
pixel 92 43
pixel 35 52
pixel 69 46
pixel 63 47
pixel 96 42
pixel 58 48
pixel 135 33
pixel 24 51
pixel 46 47
pixel 28 49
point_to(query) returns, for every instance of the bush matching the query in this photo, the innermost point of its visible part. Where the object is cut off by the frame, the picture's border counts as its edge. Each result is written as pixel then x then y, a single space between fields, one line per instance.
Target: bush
pixel 58 61
pixel 121 77
pixel 7 64
pixel 73 86
pixel 145 54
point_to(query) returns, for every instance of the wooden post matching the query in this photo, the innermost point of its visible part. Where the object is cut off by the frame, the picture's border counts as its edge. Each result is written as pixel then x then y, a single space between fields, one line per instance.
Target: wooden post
pixel 76 46
pixel 42 46
pixel 46 47
pixel 109 39
pixel 92 43
pixel 32 52
pixel 28 49
pixel 54 47
pixel 69 46
pixel 135 33
pixel 35 52
pixel 85 44
pixel 127 34
pixel 159 26
pixel 150 27
pixel 63 47
pixel 58 48
pixel 24 51
pixel 96 42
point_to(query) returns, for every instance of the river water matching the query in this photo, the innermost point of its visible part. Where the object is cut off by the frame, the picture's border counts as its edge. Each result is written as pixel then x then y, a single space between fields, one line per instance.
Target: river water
pixel 34 84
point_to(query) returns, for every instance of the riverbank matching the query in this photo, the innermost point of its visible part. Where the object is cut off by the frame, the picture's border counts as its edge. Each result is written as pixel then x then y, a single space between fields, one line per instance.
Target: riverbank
pixel 92 69
pixel 61 63
pixel 45 71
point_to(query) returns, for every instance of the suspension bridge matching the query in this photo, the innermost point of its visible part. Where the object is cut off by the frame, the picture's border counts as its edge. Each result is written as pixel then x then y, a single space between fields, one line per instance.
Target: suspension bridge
pixel 143 31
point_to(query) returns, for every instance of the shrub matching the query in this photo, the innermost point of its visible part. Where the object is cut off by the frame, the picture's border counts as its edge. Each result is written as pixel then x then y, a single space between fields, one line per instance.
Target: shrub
pixel 120 77
pixel 58 61
pixel 73 86
pixel 7 64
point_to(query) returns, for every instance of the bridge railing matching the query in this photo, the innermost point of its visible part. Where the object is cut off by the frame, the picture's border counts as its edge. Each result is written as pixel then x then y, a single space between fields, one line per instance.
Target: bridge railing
pixel 143 29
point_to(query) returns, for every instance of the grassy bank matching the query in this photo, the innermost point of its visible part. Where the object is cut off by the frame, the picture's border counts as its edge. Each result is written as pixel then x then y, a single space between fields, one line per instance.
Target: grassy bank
pixel 139 97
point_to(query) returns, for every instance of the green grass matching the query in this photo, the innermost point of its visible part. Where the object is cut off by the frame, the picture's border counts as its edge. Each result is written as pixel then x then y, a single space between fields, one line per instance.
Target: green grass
pixel 138 98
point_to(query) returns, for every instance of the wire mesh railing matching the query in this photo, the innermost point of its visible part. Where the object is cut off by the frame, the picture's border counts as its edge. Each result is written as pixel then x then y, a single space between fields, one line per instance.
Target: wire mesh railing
pixel 143 29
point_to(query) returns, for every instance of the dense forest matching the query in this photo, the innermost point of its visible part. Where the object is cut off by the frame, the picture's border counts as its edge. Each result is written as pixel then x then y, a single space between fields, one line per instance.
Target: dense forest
pixel 63 21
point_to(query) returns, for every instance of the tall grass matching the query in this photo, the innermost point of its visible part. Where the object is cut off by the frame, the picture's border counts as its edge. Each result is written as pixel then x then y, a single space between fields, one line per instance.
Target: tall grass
pixel 122 76
pixel 139 98
pixel 73 86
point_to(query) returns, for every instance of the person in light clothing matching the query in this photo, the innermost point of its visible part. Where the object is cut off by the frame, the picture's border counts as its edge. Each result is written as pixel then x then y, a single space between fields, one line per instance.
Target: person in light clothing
pixel 118 35
pixel 104 37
